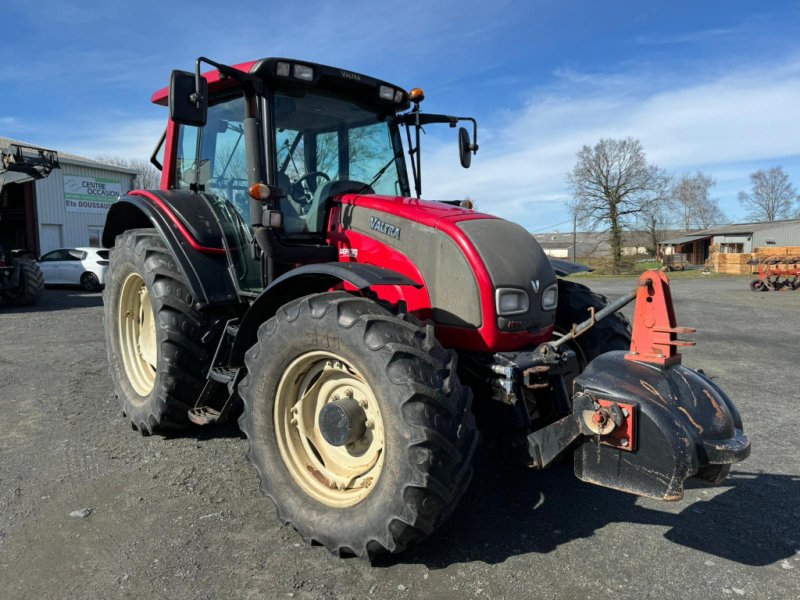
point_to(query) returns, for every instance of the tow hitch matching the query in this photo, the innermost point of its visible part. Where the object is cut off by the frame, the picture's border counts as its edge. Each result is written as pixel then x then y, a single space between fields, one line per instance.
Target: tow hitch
pixel 643 422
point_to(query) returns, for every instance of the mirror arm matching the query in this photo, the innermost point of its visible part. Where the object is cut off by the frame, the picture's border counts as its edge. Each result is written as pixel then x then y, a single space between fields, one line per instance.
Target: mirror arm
pixel 197 98
pixel 225 70
pixel 418 174
pixel 474 145
pixel 412 151
pixel 416 119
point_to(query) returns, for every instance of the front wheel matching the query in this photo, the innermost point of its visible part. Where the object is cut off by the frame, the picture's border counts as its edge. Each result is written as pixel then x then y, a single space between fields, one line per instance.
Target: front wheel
pixel 358 426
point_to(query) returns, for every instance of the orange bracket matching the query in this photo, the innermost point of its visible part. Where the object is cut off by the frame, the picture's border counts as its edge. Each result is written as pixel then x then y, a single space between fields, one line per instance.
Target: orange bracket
pixel 655 335
pixel 624 435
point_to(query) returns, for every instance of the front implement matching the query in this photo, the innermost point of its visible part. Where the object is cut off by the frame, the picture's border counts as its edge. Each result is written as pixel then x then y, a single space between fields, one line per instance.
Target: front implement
pixel 642 422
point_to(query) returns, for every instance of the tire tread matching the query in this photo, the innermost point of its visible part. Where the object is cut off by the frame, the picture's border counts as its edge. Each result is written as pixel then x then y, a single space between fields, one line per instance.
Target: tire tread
pixel 442 423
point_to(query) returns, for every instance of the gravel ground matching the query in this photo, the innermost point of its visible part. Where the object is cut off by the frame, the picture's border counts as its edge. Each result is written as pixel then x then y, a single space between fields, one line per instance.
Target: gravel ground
pixel 182 517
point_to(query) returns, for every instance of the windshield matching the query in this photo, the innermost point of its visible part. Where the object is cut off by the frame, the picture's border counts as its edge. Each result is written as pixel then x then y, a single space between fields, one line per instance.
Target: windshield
pixel 322 137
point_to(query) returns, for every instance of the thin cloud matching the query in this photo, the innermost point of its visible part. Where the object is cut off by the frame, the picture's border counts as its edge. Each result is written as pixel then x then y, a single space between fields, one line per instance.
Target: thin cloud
pixel 685 38
pixel 745 116
pixel 126 137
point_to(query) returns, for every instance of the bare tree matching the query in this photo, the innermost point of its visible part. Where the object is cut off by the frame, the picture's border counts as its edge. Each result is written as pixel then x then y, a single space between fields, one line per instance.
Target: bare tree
pixel 708 213
pixel 147 176
pixel 611 184
pixel 691 201
pixel 772 195
pixel 656 220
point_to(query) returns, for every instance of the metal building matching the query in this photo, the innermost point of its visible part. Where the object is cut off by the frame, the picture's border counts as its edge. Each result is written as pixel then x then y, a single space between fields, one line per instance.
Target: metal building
pixel 66 209
pixel 734 239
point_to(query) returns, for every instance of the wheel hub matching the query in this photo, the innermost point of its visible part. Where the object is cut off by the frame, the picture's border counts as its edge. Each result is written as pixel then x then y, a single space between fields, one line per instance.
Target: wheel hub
pixel 329 429
pixel 342 422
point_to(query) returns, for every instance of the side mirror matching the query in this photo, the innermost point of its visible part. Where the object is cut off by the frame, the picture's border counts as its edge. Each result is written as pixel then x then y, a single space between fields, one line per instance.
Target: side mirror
pixel 188 105
pixel 464 148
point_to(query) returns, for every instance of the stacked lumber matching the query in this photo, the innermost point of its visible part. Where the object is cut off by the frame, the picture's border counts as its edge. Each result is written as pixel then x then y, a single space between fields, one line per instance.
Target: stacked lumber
pixel 737 263
pixel 766 251
pixel 731 264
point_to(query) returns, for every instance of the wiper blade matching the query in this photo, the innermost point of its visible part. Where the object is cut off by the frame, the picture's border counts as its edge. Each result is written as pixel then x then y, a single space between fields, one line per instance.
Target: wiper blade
pixel 381 172
pixel 290 154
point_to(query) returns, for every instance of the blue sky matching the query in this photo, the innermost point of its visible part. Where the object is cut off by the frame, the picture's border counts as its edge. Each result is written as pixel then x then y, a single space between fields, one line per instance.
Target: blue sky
pixel 713 86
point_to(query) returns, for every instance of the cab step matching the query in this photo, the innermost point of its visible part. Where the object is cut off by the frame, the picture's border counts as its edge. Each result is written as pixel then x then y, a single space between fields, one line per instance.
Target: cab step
pixel 222 375
pixel 203 415
pixel 219 392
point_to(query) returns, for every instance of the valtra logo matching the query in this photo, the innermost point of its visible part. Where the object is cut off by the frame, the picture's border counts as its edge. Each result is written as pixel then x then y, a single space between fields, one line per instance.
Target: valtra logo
pixel 381 227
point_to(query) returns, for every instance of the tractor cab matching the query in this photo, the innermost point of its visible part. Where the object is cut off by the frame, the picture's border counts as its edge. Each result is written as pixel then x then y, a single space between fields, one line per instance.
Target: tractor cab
pixel 271 142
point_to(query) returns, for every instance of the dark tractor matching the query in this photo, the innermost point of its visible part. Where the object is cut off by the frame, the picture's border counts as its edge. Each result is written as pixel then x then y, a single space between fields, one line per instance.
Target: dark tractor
pixel 284 273
pixel 21 281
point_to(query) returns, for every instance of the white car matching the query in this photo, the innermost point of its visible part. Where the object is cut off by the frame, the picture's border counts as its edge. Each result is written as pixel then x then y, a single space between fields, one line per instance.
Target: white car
pixel 85 267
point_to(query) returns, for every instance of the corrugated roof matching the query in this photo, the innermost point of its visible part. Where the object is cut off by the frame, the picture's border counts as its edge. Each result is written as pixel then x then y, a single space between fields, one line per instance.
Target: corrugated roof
pixel 629 238
pixel 69 158
pixel 736 228
pixel 685 239
pixel 550 244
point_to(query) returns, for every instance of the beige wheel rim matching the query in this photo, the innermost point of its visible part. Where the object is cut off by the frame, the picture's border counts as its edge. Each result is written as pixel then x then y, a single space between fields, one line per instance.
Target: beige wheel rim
pixel 337 476
pixel 137 334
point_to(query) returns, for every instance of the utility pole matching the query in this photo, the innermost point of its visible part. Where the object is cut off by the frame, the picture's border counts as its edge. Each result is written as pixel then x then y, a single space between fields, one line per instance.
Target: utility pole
pixel 574 236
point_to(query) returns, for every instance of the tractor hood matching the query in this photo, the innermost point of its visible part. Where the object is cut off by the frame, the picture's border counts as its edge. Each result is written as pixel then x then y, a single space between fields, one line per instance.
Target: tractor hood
pixel 467 262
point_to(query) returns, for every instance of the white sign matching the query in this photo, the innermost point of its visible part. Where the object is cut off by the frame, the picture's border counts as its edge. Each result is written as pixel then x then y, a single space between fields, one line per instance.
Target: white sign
pixel 90 194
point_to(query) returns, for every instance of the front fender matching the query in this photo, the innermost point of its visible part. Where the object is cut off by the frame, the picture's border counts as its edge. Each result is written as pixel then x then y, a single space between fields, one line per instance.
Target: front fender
pixel 302 281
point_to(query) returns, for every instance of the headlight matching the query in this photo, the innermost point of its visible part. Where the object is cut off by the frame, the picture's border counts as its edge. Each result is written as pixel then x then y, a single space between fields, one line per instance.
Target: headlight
pixel 550 297
pixel 386 92
pixel 303 72
pixel 509 301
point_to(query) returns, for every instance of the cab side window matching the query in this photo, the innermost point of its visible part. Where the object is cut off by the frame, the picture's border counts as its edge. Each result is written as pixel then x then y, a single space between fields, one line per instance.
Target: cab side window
pixel 213 158
pixel 223 154
pixel 186 157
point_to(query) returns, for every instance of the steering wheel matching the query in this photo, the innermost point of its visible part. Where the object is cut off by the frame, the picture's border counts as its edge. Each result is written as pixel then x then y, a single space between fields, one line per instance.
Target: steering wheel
pixel 302 194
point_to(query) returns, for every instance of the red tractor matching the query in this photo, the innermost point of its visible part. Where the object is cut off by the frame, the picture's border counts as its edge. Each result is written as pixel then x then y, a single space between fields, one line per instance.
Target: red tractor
pixel 284 273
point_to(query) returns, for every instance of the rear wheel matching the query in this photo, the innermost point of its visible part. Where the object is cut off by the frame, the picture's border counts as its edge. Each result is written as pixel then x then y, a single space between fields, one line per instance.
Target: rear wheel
pixel 31 284
pixel 358 426
pixel 612 333
pixel 156 354
pixel 757 285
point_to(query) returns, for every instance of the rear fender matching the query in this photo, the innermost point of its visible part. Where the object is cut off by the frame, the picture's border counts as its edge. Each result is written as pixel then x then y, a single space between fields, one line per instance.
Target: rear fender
pixel 683 422
pixel 302 281
pixel 188 225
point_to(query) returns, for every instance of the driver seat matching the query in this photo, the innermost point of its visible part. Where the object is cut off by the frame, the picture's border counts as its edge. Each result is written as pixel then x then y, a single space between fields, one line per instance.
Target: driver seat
pixel 294 218
pixel 316 212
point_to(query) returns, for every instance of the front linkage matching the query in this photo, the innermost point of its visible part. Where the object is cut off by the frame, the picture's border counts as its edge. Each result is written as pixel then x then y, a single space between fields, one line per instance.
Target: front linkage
pixel 639 421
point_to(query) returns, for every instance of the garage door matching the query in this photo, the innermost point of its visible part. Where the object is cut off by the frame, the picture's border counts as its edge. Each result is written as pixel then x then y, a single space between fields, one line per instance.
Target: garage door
pixel 51 238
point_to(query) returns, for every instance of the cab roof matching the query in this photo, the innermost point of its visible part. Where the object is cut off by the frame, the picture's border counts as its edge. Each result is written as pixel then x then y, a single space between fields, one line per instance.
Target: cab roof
pixel 266 68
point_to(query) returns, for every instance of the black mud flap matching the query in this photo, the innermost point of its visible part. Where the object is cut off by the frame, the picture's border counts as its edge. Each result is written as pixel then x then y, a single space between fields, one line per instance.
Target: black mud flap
pixel 678 424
